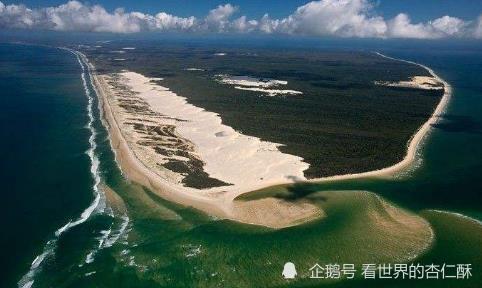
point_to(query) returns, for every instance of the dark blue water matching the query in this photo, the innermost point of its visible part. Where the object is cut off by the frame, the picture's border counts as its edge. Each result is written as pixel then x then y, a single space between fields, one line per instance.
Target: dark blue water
pixel 44 167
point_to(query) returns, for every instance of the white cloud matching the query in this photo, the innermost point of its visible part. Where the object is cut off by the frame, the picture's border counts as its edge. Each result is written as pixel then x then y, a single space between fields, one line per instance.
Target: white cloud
pixel 75 16
pixel 343 18
pixel 348 18
pixel 167 22
pixel 218 19
pixel 478 28
pixel 242 25
pixel 267 25
pixel 15 16
pixel 357 18
pixel 402 27
pixel 446 26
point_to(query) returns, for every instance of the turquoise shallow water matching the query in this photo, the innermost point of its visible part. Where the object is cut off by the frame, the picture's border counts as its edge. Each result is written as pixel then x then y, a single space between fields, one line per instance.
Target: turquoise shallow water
pixel 49 183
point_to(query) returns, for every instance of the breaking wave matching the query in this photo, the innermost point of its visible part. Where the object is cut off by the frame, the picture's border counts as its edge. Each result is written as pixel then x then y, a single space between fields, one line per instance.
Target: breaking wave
pixel 98 203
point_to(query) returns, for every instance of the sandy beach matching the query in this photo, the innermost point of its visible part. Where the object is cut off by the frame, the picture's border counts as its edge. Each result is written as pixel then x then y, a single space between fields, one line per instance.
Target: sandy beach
pixel 251 164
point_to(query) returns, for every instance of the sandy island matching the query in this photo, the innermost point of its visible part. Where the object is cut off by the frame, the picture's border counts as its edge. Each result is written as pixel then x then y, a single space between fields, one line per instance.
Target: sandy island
pixel 151 126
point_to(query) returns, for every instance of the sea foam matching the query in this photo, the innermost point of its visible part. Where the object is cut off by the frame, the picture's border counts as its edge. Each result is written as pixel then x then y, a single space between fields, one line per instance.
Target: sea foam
pixel 98 203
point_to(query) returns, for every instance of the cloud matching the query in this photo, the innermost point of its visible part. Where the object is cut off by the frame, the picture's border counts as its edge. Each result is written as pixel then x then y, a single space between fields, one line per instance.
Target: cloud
pixel 242 25
pixel 357 18
pixel 167 22
pixel 218 19
pixel 478 28
pixel 341 18
pixel 75 16
pixel 347 18
pixel 446 26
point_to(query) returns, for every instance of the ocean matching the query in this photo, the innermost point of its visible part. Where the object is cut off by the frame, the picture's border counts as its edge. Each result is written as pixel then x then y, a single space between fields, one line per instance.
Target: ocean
pixel 56 156
pixel 44 164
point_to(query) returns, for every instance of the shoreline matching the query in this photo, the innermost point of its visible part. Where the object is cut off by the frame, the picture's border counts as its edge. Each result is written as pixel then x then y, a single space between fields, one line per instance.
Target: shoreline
pixel 415 141
pixel 224 206
pixel 133 168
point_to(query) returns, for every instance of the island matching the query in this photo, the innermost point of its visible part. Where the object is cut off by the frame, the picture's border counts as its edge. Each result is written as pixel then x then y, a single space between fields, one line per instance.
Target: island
pixel 202 127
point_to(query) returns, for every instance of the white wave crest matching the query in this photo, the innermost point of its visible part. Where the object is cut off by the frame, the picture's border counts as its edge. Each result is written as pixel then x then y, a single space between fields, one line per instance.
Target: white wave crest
pixel 98 203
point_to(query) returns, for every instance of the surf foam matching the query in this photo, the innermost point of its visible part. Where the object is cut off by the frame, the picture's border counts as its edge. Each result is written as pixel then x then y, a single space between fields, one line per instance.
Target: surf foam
pixel 49 249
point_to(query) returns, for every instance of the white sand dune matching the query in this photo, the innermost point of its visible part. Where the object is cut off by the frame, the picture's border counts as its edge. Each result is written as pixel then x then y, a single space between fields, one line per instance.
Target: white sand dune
pixel 270 92
pixel 246 162
pixel 249 81
pixel 417 82
pixel 266 86
pixel 229 156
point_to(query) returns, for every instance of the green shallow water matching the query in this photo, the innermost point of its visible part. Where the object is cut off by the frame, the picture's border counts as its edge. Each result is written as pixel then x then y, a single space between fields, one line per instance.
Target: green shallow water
pixel 166 245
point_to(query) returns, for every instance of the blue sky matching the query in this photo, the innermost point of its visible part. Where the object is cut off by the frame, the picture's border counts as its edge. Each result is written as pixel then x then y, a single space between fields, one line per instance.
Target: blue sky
pixel 419 10
pixel 416 19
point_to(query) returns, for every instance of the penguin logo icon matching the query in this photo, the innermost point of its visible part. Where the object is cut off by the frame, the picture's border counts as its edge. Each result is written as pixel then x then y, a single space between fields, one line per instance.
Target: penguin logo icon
pixel 289 271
